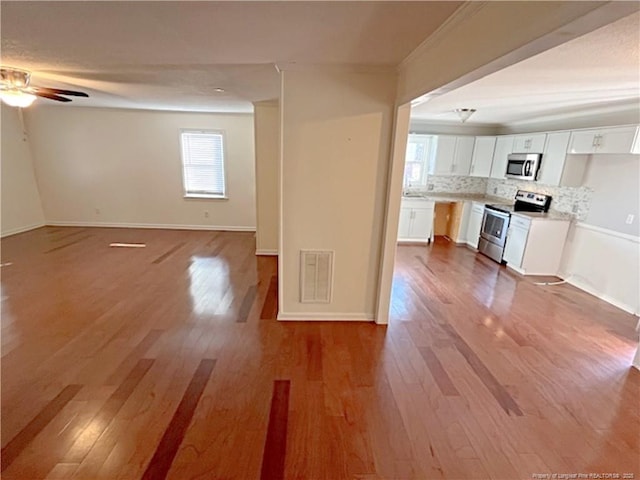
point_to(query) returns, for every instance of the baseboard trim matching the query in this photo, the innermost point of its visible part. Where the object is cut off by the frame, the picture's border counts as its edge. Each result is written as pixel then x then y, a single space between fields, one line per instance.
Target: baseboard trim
pixel 409 241
pixel 15 231
pixel 604 297
pixel 163 226
pixel 518 270
pixel 326 317
pixel 267 252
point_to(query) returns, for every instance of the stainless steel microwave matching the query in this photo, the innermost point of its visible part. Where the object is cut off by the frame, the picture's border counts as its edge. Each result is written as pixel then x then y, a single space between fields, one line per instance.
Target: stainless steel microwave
pixel 523 166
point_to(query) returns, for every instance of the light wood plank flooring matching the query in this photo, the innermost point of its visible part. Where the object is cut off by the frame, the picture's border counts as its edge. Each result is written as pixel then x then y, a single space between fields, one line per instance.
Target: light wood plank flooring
pixel 167 362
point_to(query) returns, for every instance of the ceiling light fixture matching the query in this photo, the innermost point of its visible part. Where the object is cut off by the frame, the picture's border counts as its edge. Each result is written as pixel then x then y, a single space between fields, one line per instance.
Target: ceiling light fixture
pixel 16 98
pixel 465 113
pixel 219 90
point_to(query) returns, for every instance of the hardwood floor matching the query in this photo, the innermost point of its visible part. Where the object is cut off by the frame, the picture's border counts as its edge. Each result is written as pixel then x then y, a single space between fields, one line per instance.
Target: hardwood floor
pixel 167 362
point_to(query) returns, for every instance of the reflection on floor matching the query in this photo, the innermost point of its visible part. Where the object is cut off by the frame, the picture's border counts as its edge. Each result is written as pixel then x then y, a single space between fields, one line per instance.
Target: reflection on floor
pixel 167 362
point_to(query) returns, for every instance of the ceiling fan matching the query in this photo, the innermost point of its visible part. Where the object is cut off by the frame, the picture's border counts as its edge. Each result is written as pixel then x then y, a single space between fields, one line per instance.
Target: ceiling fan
pixel 15 89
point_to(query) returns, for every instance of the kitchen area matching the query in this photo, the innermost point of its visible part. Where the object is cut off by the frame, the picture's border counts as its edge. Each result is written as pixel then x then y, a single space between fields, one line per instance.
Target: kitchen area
pixel 512 198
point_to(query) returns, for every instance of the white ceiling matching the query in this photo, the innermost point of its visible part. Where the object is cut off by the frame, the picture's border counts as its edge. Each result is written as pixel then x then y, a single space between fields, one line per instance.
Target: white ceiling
pixel 173 55
pixel 601 68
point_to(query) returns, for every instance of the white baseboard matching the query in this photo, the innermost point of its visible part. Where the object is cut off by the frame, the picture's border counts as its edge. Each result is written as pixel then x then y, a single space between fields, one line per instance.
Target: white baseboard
pixel 266 252
pixel 15 231
pixel 607 298
pixel 163 226
pixel 409 241
pixel 326 317
pixel 517 269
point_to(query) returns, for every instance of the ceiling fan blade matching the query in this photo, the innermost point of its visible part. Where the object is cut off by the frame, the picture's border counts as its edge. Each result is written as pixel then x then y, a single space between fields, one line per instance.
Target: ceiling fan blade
pixel 51 96
pixel 57 91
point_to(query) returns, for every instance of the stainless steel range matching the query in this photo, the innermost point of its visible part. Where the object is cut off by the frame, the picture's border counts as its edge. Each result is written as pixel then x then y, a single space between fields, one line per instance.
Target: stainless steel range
pixel 495 223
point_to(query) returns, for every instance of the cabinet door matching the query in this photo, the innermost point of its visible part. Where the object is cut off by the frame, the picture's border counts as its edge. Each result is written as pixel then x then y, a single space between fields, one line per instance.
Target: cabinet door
pixel 504 146
pixel 422 224
pixel 616 140
pixel 516 243
pixel 442 161
pixel 536 142
pixel 474 226
pixel 532 143
pixel 482 156
pixel 553 159
pixel 463 155
pixel 583 141
pixel 405 222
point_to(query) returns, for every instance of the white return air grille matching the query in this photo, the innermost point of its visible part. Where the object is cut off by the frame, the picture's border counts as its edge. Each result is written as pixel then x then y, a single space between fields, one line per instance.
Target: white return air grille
pixel 316 276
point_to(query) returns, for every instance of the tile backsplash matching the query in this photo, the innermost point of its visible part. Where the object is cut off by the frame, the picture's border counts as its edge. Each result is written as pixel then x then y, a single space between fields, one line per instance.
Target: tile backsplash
pixel 453 184
pixel 576 201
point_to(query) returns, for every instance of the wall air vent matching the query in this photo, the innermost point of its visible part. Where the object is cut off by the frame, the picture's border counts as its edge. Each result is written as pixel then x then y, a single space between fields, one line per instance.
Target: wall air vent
pixel 316 276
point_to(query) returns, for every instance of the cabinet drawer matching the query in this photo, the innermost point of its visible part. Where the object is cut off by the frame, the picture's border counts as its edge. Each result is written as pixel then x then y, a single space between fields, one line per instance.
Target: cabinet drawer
pixel 417 203
pixel 520 222
pixel 477 208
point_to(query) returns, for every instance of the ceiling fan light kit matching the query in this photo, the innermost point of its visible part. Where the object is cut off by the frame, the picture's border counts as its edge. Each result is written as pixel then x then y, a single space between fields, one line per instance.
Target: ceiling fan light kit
pixel 16 92
pixel 17 98
pixel 464 113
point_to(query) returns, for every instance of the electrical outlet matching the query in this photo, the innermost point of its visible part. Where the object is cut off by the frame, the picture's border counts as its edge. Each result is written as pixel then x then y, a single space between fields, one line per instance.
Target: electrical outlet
pixel 97 211
pixel 495 190
pixel 430 187
pixel 206 214
pixel 630 218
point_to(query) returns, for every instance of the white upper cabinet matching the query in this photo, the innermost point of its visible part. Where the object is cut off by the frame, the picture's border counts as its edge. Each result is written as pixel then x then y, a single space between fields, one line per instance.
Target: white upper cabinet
pixel 604 140
pixel 482 156
pixel 463 155
pixel 451 155
pixel 558 168
pixel 504 146
pixel 553 158
pixel 441 158
pixel 529 143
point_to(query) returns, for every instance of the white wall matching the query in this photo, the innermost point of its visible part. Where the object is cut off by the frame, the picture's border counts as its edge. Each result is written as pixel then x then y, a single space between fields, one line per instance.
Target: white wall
pixel 267 131
pixel 605 264
pixel 336 133
pixel 21 206
pixel 100 166
pixel 602 255
pixel 615 180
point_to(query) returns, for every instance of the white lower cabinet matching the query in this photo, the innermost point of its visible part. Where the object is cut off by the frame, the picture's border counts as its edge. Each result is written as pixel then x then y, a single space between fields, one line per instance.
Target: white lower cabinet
pixel 534 245
pixel 516 241
pixel 416 220
pixel 475 224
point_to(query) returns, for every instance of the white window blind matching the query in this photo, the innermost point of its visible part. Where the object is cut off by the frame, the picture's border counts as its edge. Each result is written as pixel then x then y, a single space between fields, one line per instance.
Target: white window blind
pixel 203 163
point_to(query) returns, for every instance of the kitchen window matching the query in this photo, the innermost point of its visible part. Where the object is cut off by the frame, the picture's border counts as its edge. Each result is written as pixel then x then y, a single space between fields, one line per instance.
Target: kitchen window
pixel 203 171
pixel 415 167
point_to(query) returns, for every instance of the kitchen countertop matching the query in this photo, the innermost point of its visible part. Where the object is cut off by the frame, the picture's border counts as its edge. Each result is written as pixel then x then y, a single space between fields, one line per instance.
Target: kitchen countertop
pixel 459 197
pixel 481 198
pixel 550 215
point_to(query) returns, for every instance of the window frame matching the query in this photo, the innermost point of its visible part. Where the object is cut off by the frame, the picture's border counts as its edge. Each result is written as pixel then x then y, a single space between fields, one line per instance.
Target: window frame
pixel 427 140
pixel 204 195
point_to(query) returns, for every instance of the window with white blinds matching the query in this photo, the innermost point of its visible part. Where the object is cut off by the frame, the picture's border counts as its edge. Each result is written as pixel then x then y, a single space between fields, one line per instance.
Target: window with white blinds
pixel 203 163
